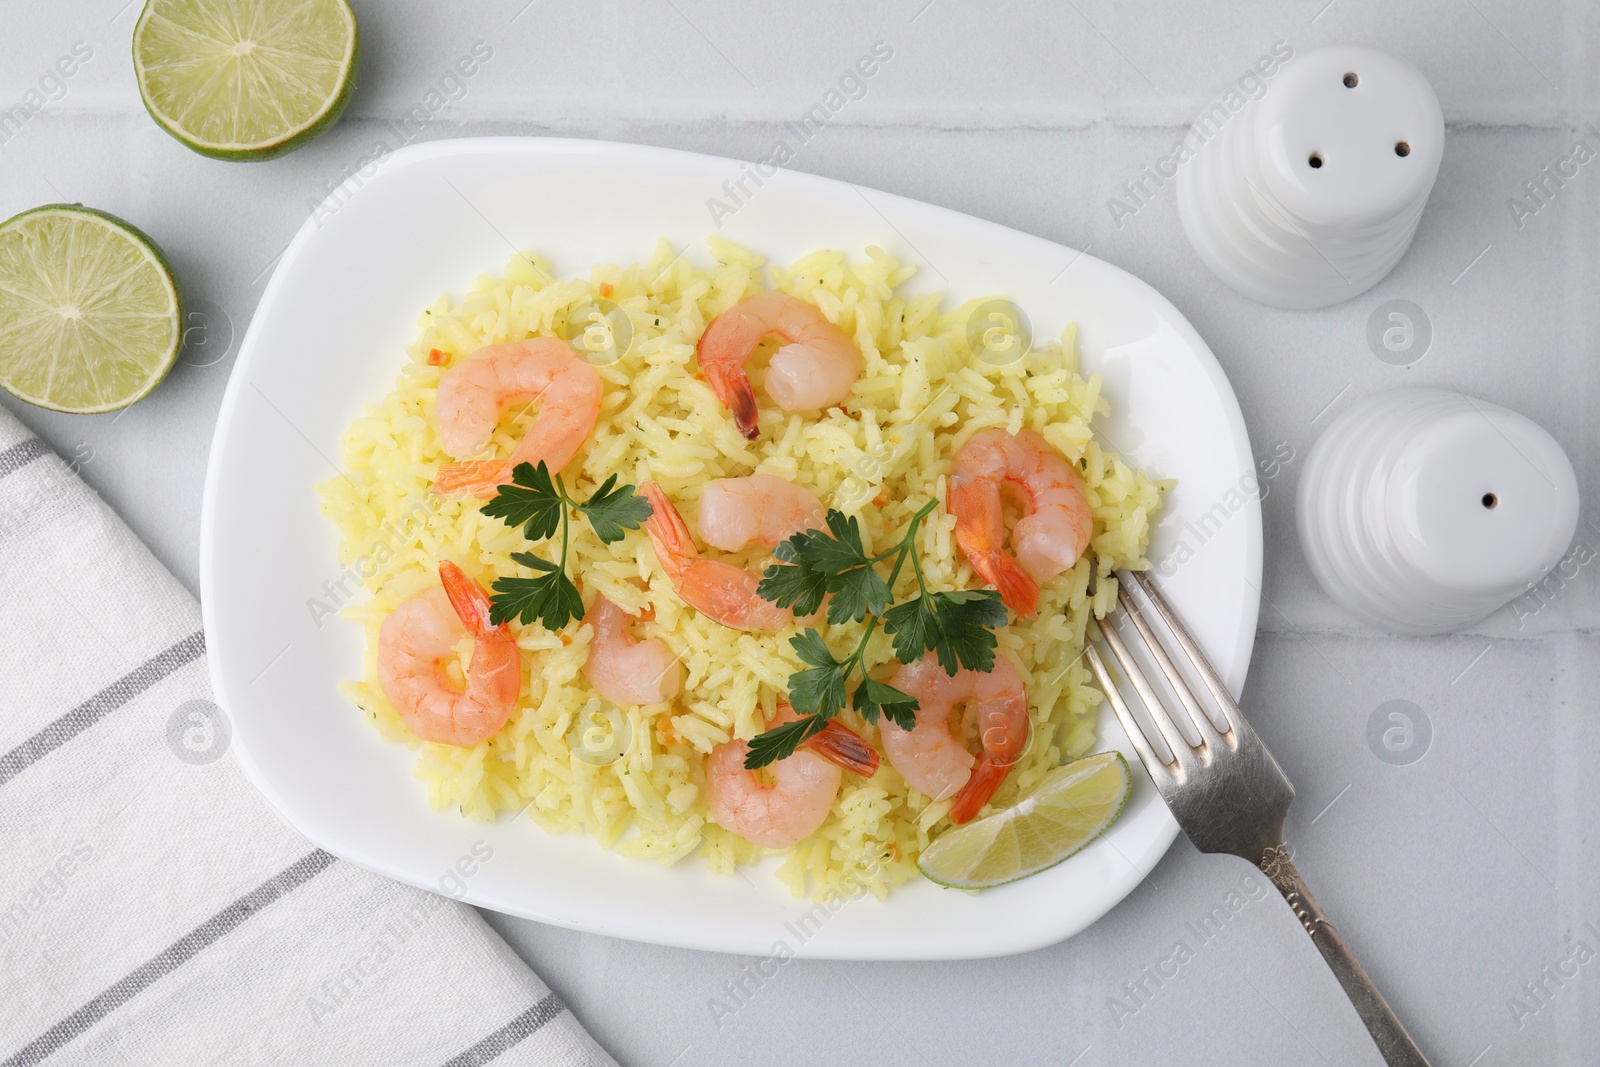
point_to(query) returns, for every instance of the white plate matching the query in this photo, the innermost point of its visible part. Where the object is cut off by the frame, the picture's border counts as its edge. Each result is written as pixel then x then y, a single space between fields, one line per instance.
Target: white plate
pixel 327 339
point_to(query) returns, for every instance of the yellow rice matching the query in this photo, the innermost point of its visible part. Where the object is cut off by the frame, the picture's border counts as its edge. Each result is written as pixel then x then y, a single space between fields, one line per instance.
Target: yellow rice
pixel 922 394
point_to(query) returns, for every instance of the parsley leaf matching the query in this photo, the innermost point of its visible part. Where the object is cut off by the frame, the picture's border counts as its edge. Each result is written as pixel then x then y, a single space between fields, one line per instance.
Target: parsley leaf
pixel 838 553
pixel 540 505
pixel 813 563
pixel 800 588
pixel 952 625
pixel 530 502
pixel 956 626
pixel 614 511
pixel 821 688
pixel 874 697
pixel 818 691
pixel 550 597
pixel 812 649
pixel 781 741
pixel 528 559
pixel 856 594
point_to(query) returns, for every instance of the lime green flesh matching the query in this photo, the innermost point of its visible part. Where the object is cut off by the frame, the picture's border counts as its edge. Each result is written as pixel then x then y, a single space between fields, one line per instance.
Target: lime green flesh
pixel 1069 808
pixel 90 314
pixel 245 79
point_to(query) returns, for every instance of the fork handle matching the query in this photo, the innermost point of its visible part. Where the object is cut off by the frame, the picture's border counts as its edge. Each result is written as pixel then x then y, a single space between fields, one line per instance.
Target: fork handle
pixel 1391 1038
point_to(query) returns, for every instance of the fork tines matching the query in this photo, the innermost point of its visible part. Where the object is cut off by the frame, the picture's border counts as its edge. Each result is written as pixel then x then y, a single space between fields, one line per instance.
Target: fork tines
pixel 1187 756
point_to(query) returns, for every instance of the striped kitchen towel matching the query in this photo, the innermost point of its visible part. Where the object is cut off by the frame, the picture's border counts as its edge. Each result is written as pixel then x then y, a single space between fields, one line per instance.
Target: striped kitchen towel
pixel 152 909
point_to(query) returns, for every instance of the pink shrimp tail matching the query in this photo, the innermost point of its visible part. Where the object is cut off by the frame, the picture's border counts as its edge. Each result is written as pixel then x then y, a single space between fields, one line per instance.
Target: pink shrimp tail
pixel 470 600
pixel 668 532
pixel 733 388
pixel 839 744
pixel 1017 587
pixel 986 778
pixel 471 478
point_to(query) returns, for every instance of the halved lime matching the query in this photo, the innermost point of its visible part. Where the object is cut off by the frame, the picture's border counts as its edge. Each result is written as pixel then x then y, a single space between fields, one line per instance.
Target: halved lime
pixel 246 79
pixel 91 316
pixel 1071 807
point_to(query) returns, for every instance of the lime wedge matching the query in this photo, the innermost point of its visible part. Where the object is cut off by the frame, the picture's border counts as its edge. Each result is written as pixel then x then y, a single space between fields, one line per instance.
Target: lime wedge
pixel 246 79
pixel 90 313
pixel 1071 807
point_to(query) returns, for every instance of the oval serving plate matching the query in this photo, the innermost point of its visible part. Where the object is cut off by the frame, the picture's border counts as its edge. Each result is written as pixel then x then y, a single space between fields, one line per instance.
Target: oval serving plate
pixel 327 338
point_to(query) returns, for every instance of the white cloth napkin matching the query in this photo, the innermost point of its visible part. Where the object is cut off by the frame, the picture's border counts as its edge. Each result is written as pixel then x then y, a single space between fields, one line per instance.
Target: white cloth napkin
pixel 153 910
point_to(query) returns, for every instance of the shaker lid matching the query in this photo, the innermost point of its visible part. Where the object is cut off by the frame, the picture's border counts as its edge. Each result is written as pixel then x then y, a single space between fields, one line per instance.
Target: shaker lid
pixel 1351 136
pixel 1483 501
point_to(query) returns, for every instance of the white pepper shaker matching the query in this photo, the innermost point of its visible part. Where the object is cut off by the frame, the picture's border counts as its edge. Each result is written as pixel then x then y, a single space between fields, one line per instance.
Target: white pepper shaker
pixel 1312 192
pixel 1422 510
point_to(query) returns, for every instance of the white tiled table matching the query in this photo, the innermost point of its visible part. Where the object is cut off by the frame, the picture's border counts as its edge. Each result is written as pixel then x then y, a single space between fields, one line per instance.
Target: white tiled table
pixel 1459 879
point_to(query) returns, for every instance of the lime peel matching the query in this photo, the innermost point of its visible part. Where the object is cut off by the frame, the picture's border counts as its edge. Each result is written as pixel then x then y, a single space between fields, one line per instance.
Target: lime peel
pixel 91 313
pixel 242 79
pixel 1070 807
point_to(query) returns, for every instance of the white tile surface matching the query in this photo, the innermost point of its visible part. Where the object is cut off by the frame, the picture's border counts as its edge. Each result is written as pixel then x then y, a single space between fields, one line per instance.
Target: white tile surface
pixel 1457 878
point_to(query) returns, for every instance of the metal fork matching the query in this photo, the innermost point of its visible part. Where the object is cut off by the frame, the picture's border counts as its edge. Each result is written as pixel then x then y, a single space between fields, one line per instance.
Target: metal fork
pixel 1228 793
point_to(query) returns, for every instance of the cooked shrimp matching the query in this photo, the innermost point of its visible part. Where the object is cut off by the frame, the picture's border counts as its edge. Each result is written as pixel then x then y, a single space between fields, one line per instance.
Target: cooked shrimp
pixel 931 760
pixel 1054 529
pixel 720 590
pixel 736 511
pixel 421 634
pixel 623 670
pixel 473 392
pixel 778 815
pixel 814 369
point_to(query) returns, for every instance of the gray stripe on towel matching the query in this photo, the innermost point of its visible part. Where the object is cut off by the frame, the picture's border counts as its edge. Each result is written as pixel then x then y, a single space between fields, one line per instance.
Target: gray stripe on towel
pixel 510 1034
pixel 100 705
pixel 171 958
pixel 21 454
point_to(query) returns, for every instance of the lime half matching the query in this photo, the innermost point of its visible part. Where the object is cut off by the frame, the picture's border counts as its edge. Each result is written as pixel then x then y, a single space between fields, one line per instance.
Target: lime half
pixel 91 317
pixel 246 79
pixel 1071 807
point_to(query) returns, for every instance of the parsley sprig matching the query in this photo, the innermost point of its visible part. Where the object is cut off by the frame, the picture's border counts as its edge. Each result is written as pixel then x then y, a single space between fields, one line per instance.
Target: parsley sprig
pixel 832 563
pixel 540 504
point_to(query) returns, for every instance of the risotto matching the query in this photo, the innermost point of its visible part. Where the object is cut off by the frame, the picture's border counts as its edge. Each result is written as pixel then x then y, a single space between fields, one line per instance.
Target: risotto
pixel 634 777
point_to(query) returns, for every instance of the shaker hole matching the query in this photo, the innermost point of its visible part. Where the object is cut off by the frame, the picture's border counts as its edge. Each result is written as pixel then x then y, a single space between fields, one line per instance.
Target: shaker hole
pixel 1351 81
pixel 1490 500
pixel 1402 148
pixel 1315 160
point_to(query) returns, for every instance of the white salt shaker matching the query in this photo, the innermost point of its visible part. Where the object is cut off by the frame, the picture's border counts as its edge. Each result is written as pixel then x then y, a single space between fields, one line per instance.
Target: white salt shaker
pixel 1423 510
pixel 1312 192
